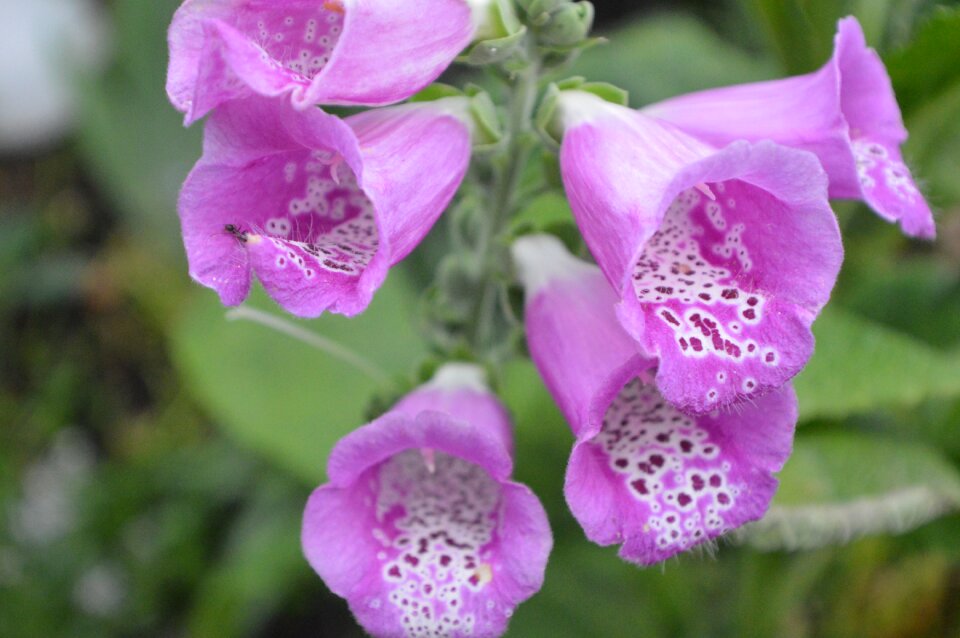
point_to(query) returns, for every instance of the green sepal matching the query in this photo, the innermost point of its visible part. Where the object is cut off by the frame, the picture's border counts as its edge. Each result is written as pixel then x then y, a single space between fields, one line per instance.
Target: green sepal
pixel 489 129
pixel 436 91
pixel 511 33
pixel 544 119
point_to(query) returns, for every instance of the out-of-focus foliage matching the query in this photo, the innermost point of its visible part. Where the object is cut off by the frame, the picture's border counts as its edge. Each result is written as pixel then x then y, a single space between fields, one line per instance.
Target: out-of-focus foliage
pixel 126 507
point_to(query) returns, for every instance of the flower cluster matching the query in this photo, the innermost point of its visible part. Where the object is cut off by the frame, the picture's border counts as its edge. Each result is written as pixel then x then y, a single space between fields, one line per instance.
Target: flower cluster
pixel 707 217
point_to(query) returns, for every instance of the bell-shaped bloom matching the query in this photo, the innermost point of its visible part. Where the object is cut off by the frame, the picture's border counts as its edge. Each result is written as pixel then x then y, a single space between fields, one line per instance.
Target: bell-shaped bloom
pixel 642 473
pixel 359 52
pixel 846 113
pixel 721 258
pixel 317 207
pixel 420 528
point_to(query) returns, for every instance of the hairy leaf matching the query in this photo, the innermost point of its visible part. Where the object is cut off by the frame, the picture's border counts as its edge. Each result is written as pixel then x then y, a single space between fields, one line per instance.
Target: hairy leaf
pixel 837 487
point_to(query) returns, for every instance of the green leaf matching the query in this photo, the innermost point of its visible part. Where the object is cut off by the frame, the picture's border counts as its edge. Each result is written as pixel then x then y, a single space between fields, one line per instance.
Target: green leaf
pixel 800 31
pixel 663 56
pixel 859 366
pixel 837 487
pixel 262 565
pixel 549 211
pixel 280 397
pixel 930 62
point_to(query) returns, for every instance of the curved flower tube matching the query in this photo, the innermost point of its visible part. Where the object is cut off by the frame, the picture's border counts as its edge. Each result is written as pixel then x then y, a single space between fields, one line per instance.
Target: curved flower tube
pixel 642 473
pixel 350 52
pixel 846 113
pixel 317 207
pixel 721 258
pixel 420 527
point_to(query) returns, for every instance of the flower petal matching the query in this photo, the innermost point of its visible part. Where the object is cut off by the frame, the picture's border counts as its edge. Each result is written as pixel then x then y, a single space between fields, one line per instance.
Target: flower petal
pixel 574 338
pixel 369 52
pixel 846 113
pixel 722 258
pixel 661 482
pixel 642 473
pixel 318 210
pixel 420 529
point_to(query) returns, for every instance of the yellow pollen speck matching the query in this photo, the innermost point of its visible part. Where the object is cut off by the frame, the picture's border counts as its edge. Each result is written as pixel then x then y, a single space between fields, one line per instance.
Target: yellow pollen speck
pixel 484 573
pixel 334 5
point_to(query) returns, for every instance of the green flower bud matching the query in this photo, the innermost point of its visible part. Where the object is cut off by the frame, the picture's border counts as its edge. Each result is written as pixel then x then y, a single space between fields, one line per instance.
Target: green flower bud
pixel 567 25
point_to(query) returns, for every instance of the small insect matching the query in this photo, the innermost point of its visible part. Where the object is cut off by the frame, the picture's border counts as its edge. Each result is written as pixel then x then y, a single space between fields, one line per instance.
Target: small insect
pixel 240 235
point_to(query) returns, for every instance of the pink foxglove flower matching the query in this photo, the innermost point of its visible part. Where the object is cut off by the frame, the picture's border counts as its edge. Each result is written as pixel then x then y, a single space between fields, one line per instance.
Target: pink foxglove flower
pixel 420 527
pixel 846 113
pixel 642 473
pixel 317 207
pixel 363 52
pixel 721 258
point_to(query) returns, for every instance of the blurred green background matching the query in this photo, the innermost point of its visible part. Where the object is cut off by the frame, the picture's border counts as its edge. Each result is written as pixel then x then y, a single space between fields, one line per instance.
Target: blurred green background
pixel 155 458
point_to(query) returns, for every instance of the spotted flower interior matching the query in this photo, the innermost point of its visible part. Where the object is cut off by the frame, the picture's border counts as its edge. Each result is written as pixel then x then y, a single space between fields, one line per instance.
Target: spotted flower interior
pixel 678 480
pixel 299 36
pixel 707 284
pixel 437 527
pixel 321 221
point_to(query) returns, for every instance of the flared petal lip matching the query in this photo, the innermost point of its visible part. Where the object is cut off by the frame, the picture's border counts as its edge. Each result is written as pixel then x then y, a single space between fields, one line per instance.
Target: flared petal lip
pixel 393 433
pixel 322 131
pixel 302 94
pixel 748 161
pixel 634 367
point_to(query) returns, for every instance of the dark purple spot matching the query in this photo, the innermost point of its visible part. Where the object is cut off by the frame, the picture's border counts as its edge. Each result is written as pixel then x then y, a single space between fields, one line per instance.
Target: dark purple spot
pixel 752 301
pixel 750 313
pixel 640 486
pixel 730 293
pixel 683 344
pixel 686 446
pixel 696 344
pixel 723 498
pixel 666 314
pixel 621 463
pixel 394 572
pixel 697 481
pixel 769 357
pixel 704 296
pixel 731 349
pixel 751 348
pixel 683 499
pixel 715 480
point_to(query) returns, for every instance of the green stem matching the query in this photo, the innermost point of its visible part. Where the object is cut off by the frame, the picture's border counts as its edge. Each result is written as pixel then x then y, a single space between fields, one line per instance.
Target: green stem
pixel 504 201
pixel 330 347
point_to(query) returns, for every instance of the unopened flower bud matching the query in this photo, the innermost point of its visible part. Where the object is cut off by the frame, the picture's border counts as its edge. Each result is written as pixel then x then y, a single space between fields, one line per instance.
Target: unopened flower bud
pixel 567 25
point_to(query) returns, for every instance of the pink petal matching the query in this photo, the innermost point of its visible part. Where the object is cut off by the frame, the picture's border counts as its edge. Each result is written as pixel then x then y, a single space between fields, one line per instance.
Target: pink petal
pixel 316 207
pixel 369 52
pixel 846 113
pixel 721 285
pixel 641 470
pixel 420 529
pixel 660 482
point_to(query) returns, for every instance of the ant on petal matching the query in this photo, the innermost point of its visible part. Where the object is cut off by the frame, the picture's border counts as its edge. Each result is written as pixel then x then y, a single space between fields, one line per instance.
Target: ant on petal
pixel 240 235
